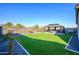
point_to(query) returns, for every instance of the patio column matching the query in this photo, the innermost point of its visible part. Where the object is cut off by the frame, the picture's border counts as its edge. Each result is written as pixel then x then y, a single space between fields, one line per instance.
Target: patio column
pixel 49 29
pixel 77 19
pixel 55 28
pixel 0 30
pixel 60 30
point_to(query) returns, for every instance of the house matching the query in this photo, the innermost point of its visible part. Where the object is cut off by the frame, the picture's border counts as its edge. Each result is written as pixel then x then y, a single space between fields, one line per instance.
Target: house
pixel 14 30
pixel 54 28
pixel 22 30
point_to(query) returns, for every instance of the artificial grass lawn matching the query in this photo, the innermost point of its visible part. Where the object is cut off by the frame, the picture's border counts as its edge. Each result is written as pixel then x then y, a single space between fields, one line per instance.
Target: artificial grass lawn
pixel 45 43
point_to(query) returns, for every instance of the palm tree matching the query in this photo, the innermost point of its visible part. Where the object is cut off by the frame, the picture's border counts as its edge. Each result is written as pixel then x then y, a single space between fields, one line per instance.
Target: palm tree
pixel 19 25
pixel 9 24
pixel 9 37
pixel 10 43
pixel 36 26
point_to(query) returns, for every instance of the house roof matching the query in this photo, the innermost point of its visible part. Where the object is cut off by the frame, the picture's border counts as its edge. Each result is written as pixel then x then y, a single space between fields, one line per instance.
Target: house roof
pixel 54 25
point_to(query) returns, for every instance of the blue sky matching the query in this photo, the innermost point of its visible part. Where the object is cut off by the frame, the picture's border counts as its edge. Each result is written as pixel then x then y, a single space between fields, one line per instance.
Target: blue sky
pixel 41 14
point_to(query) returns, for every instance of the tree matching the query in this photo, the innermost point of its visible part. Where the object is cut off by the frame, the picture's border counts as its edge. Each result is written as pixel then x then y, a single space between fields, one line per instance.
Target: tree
pixel 19 25
pixel 36 26
pixel 10 38
pixel 8 24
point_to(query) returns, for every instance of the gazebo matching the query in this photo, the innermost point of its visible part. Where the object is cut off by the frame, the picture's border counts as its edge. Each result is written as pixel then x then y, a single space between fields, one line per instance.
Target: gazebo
pixel 54 28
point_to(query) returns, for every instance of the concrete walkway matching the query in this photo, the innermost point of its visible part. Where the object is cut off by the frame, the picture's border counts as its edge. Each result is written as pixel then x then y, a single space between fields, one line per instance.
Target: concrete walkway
pixel 17 48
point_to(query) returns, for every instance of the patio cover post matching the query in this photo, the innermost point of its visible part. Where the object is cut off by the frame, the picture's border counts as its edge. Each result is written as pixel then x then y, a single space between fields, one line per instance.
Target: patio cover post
pixel 77 18
pixel 0 30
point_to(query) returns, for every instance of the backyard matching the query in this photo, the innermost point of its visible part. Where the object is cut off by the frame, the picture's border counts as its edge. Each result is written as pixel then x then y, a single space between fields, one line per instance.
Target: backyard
pixel 45 43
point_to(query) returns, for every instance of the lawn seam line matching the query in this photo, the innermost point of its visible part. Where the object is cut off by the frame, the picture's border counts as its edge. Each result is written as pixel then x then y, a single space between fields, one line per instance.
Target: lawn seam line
pixel 71 50
pixel 22 47
pixel 68 42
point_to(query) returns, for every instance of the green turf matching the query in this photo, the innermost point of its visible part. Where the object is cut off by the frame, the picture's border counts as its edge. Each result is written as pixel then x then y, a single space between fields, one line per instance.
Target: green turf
pixel 45 43
pixel 66 36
